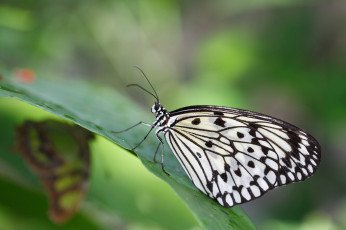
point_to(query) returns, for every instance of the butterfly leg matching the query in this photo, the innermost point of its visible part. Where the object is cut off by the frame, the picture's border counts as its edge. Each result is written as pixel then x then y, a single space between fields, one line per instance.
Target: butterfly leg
pixel 157 149
pixel 143 138
pixel 163 150
pixel 139 123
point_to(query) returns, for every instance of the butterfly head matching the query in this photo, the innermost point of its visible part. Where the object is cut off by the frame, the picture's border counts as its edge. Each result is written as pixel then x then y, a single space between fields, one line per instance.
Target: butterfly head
pixel 156 108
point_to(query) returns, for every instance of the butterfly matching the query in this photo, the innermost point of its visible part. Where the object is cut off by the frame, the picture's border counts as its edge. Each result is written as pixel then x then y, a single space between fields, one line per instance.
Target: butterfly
pixel 233 155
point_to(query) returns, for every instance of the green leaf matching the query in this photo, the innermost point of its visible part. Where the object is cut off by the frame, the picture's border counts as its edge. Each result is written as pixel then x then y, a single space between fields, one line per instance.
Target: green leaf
pixel 102 110
pixel 59 154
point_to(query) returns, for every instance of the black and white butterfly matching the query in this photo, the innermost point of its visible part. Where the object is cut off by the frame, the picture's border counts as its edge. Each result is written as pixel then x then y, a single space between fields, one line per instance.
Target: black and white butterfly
pixel 234 155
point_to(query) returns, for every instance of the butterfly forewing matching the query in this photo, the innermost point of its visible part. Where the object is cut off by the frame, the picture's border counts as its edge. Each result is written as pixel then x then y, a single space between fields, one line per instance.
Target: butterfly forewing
pixel 234 155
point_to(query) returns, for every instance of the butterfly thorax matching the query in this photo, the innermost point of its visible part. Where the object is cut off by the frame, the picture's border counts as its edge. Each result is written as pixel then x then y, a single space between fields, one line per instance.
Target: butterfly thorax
pixel 162 116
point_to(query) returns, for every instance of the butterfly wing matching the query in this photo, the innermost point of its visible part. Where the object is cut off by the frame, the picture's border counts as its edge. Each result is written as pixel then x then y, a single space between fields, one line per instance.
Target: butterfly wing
pixel 234 155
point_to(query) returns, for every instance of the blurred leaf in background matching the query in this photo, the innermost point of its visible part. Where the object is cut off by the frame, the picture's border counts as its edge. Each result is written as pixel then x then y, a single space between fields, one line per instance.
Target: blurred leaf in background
pixel 281 58
pixel 59 154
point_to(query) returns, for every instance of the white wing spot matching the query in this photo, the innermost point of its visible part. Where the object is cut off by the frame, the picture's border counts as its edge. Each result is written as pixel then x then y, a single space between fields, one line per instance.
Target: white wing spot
pixel 271 177
pixel 313 162
pixel 301 159
pixel 229 200
pixel 299 175
pixel 245 193
pixel 272 154
pixel 305 172
pixel 310 168
pixel 303 136
pixel 305 143
pixel 215 189
pixel 265 144
pixel 255 190
pixel 290 175
pixel 303 149
pixel 272 164
pixel 236 196
pixel 262 183
pixel 219 199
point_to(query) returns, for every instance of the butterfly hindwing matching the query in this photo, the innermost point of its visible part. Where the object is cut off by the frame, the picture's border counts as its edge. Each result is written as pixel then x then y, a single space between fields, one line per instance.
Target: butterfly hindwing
pixel 235 155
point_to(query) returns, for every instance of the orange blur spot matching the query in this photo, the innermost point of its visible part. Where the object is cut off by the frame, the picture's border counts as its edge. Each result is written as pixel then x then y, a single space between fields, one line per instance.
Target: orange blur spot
pixel 24 75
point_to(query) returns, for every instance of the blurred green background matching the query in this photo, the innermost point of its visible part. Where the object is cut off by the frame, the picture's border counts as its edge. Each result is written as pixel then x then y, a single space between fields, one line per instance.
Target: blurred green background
pixel 282 58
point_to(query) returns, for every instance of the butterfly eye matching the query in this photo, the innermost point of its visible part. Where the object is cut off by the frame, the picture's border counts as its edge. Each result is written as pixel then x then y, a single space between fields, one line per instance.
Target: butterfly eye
pixel 155 107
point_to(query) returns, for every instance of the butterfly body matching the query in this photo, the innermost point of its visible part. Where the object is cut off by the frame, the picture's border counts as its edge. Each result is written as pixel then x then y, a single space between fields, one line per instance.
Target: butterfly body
pixel 235 155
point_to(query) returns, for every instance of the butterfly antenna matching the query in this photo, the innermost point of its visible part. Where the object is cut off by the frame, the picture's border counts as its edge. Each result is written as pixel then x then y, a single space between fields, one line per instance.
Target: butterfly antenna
pixel 157 97
pixel 142 89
